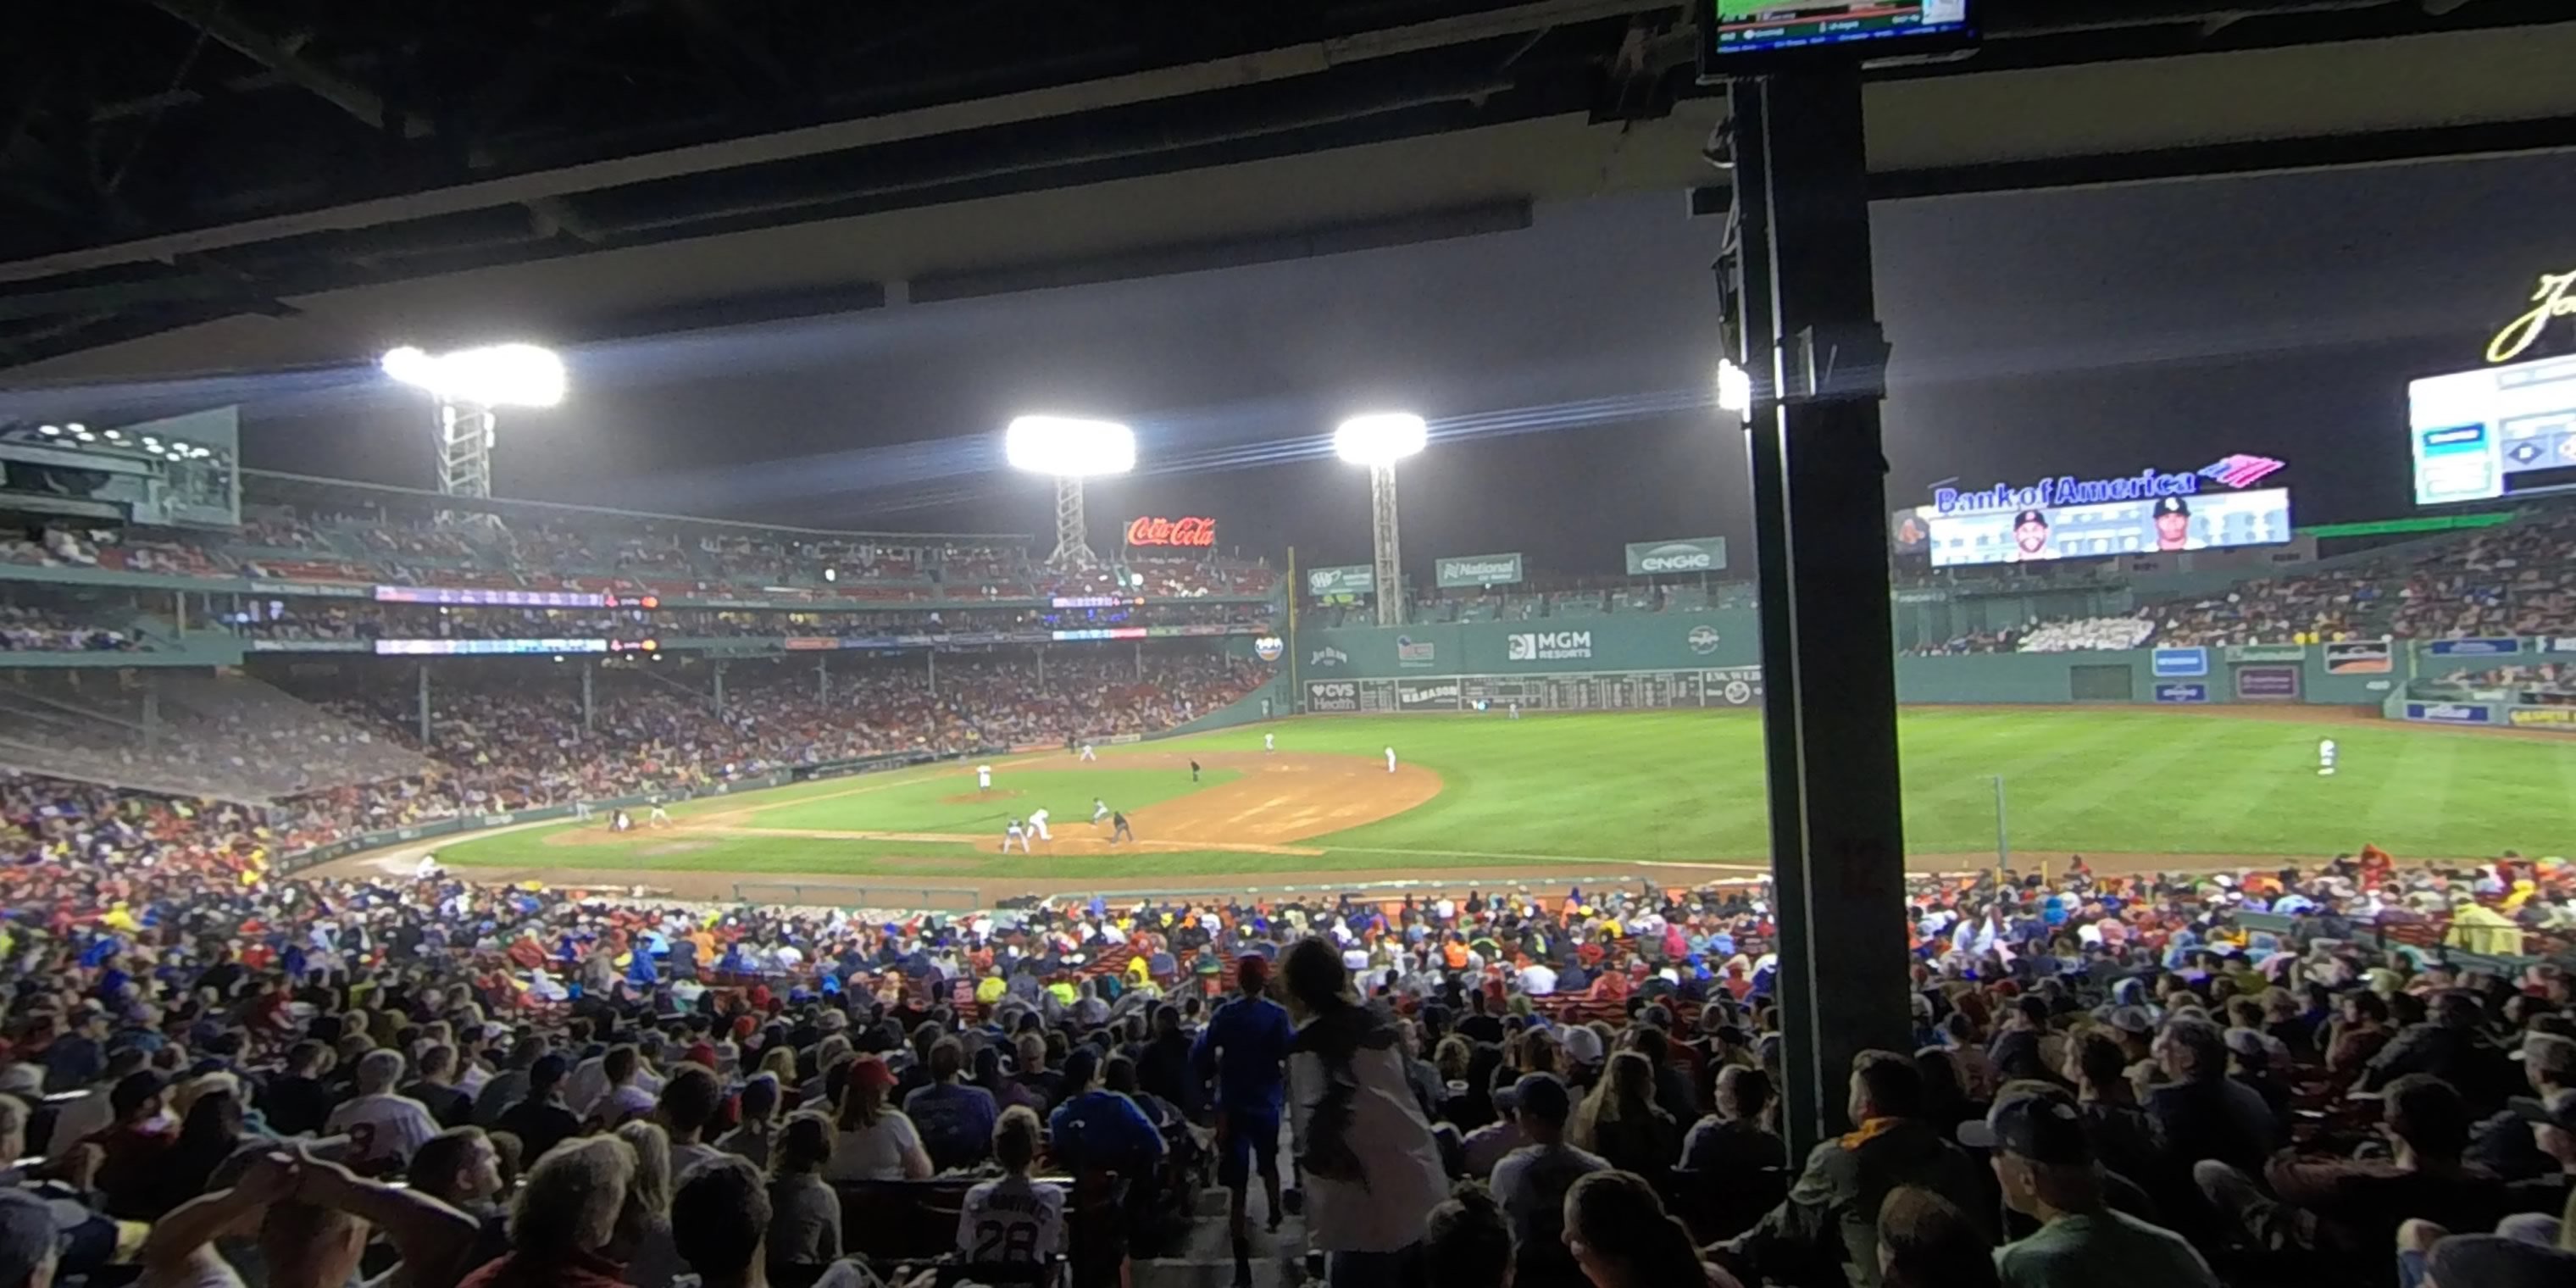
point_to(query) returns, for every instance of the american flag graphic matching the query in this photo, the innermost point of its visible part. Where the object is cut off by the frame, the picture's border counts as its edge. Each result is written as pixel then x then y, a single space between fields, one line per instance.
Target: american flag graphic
pixel 2241 470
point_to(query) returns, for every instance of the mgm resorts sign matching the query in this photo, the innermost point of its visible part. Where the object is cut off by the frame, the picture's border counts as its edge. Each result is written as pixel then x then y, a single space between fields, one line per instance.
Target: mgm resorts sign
pixel 1548 646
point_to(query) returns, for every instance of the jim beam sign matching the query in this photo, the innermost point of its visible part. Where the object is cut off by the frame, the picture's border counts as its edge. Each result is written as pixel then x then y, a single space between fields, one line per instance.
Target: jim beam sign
pixel 2555 297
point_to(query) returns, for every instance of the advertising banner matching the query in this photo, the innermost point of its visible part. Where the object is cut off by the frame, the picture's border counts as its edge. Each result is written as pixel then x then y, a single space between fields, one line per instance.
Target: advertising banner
pixel 1413 652
pixel 1681 555
pixel 2559 718
pixel 2450 712
pixel 1458 571
pixel 2360 657
pixel 2267 683
pixel 1733 686
pixel 1333 697
pixel 1547 646
pixel 2182 693
pixel 1437 695
pixel 1191 531
pixel 2172 663
pixel 2212 508
pixel 2473 648
pixel 2267 652
pixel 1345 579
pixel 2554 644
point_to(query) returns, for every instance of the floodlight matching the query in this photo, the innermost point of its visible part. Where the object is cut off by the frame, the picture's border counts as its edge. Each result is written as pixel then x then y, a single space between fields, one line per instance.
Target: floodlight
pixel 500 375
pixel 1382 438
pixel 1734 389
pixel 1067 448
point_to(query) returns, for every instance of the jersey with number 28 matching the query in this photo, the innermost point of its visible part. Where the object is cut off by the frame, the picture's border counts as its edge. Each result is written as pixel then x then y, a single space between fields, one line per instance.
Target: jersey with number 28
pixel 1011 1221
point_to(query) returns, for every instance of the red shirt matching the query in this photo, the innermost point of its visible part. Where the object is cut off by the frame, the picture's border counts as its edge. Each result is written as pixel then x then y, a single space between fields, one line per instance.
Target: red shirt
pixel 518 1270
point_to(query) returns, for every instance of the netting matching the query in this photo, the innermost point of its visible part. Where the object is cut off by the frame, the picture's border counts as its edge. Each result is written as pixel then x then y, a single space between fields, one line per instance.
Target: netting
pixel 222 735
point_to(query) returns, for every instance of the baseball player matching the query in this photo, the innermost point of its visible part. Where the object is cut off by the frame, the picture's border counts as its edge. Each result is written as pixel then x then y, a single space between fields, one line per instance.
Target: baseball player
pixel 1088 753
pixel 1194 771
pixel 581 811
pixel 426 869
pixel 1099 811
pixel 1270 742
pixel 2325 757
pixel 983 778
pixel 1390 760
pixel 660 817
pixel 1015 833
pixel 1118 829
pixel 1038 824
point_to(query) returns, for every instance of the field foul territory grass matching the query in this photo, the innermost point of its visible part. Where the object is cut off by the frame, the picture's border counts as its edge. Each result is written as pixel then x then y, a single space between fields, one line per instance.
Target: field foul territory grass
pixel 1623 788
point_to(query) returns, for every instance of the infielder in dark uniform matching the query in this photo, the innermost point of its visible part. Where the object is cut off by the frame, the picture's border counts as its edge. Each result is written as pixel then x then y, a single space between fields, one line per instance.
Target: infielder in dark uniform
pixel 1194 771
pixel 1118 828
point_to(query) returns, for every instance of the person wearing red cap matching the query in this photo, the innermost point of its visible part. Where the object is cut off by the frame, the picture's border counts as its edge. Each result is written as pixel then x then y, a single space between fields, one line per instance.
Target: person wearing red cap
pixel 875 1141
pixel 1245 1050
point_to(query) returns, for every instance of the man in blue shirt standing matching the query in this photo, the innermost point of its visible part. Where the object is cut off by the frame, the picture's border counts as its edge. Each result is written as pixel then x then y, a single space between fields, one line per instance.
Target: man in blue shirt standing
pixel 1245 1048
pixel 1098 1130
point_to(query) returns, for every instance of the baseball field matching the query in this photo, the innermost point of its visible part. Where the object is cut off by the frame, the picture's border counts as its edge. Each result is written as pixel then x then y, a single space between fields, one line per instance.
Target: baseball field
pixel 1678 793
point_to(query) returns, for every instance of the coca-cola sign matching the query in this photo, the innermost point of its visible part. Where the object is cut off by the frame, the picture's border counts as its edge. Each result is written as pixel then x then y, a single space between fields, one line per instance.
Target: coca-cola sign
pixel 1172 532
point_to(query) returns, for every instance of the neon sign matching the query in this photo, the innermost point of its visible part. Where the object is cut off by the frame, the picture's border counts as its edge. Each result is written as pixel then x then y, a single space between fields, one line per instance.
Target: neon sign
pixel 2235 471
pixel 2555 298
pixel 1172 532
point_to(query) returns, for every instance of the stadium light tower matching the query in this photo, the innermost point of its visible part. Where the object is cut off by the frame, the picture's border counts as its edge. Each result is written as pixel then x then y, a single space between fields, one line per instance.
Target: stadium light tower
pixel 469 384
pixel 1378 441
pixel 1069 451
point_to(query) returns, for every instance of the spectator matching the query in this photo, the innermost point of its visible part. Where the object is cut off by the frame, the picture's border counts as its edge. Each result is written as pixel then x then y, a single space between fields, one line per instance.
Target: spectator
pixel 2504 1143
pixel 2202 1114
pixel 1467 1241
pixel 383 1128
pixel 1735 1155
pixel 436 1090
pixel 955 1120
pixel 806 1233
pixel 313 1220
pixel 1922 1240
pixel 644 1240
pixel 1099 1130
pixel 1013 1220
pixel 1621 1237
pixel 1532 1182
pixel 564 1219
pixel 2349 1209
pixel 1621 1123
pixel 1244 1049
pixel 1372 1171
pixel 2452 1045
pixel 2045 1162
pixel 754 1139
pixel 1831 1214
pixel 720 1223
pixel 295 1102
pixel 875 1142
pixel 542 1120
pixel 689 1102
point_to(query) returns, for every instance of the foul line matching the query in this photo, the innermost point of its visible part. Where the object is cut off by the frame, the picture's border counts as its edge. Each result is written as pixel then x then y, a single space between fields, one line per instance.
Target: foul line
pixel 1550 858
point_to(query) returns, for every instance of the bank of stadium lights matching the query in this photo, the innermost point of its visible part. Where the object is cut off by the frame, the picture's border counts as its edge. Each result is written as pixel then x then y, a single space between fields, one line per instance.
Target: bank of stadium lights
pixel 470 385
pixel 150 445
pixel 1378 440
pixel 1069 450
pixel 1734 389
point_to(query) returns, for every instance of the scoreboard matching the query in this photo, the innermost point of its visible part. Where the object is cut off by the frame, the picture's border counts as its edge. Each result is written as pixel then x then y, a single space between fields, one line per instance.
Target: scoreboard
pixel 1724 686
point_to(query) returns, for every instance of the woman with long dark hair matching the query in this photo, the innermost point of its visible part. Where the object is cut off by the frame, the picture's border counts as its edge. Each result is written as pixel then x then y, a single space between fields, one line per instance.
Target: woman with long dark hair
pixel 1621 1236
pixel 1621 1122
pixel 1372 1170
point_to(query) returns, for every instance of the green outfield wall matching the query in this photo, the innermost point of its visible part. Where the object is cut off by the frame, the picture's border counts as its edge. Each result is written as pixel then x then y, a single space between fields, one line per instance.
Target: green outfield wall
pixel 1624 661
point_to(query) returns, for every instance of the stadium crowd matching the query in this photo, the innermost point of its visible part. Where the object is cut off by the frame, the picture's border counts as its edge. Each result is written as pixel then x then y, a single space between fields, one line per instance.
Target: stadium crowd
pixel 2151 1079
pixel 26 627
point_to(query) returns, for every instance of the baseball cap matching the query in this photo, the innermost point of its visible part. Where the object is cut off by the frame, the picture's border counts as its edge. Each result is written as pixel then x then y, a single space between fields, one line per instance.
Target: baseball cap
pixel 2039 1127
pixel 28 1235
pixel 2133 1020
pixel 2558 1110
pixel 871 1071
pixel 1582 1045
pixel 2030 516
pixel 1543 1096
pixel 1253 968
pixel 2494 1261
pixel 2172 505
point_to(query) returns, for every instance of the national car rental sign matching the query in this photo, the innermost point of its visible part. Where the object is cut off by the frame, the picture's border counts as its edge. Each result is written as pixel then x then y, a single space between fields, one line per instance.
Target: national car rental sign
pixel 1172 532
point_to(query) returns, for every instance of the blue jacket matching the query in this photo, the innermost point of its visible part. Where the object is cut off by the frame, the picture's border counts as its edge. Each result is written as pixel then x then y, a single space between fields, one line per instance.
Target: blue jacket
pixel 1104 1130
pixel 1245 1047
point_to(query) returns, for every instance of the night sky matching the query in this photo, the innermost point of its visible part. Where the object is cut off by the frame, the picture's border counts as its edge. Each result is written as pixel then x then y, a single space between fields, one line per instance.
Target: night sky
pixel 2087 332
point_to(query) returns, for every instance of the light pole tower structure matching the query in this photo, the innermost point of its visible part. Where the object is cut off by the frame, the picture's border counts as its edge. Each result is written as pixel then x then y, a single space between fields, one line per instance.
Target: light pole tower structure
pixel 1069 451
pixel 1378 441
pixel 469 385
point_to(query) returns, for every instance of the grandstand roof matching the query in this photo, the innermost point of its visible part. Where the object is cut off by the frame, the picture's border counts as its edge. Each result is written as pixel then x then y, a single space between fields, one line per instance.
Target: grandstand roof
pixel 266 183
pixel 279 488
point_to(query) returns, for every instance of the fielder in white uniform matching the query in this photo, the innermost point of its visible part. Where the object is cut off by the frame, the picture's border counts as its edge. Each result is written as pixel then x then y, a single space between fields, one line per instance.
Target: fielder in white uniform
pixel 660 817
pixel 1088 753
pixel 2325 756
pixel 1270 742
pixel 1099 811
pixel 1390 760
pixel 1015 833
pixel 1037 824
pixel 983 778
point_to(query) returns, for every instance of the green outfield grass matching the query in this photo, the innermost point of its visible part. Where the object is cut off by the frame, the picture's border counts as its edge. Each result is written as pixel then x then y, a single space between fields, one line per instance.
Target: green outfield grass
pixel 1687 785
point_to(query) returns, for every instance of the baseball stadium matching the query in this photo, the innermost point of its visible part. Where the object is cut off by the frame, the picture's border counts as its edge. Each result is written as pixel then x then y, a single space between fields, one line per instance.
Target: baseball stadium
pixel 1356 644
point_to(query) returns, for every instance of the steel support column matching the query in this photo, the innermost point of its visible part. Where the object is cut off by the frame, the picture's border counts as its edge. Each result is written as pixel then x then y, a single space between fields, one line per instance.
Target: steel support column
pixel 1072 539
pixel 1388 545
pixel 1805 318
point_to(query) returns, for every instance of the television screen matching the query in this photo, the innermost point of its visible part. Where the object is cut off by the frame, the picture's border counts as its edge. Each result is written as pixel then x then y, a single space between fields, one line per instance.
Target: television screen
pixel 2013 532
pixel 2494 432
pixel 1734 31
